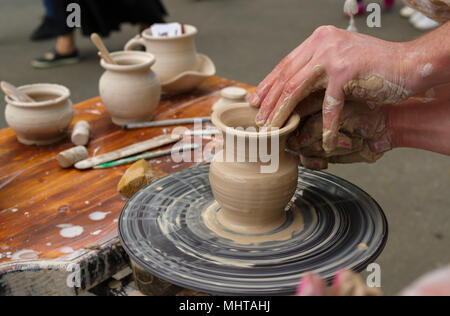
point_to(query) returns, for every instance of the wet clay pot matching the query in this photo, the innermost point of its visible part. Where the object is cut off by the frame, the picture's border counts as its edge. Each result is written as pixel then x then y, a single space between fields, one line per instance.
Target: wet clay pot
pixel 130 90
pixel 252 198
pixel 45 121
pixel 174 55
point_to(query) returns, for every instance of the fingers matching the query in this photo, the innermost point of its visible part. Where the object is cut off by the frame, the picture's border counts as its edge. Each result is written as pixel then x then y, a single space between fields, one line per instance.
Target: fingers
pixel 312 285
pixel 332 108
pixel 311 132
pixel 300 56
pixel 314 163
pixel 312 104
pixel 308 80
pixel 381 145
pixel 268 103
pixel 364 155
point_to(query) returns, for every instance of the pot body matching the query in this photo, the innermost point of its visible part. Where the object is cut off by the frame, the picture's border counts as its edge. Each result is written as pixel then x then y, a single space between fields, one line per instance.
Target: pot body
pixel 252 196
pixel 253 202
pixel 174 55
pixel 45 121
pixel 131 91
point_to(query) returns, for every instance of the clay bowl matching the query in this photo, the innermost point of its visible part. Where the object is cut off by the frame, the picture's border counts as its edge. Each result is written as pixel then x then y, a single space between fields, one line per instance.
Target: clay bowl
pixel 252 191
pixel 189 80
pixel 45 121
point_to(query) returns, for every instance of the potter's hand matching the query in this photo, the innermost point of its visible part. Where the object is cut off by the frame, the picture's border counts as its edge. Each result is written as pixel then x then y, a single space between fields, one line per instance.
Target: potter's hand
pixel 421 122
pixel 350 65
pixel 363 137
pixel 346 283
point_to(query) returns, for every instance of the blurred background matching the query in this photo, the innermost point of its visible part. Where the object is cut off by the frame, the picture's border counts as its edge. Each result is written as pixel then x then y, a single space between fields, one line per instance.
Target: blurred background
pixel 246 39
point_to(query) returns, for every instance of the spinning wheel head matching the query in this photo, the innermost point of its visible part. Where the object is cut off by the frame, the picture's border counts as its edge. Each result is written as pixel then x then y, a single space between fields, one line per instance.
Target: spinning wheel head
pixel 166 229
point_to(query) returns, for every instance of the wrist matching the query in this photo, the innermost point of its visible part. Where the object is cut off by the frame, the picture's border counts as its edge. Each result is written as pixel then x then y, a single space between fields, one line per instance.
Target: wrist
pixel 426 63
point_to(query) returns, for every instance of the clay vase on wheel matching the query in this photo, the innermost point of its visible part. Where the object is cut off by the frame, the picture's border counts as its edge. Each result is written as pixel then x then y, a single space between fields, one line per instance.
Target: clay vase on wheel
pixel 253 178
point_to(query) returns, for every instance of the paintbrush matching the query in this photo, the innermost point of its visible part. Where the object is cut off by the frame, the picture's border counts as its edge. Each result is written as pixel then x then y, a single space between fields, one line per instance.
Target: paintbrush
pixel 128 151
pixel 182 121
pixel 148 155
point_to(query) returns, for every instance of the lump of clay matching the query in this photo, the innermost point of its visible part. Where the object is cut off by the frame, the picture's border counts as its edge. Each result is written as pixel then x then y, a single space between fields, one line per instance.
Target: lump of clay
pixel 136 177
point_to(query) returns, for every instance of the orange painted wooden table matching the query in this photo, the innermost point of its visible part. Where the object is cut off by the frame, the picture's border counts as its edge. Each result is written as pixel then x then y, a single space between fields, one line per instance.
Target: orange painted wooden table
pixel 38 200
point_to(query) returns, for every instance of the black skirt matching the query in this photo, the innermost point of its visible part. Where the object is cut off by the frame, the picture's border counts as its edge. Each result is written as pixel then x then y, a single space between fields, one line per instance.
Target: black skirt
pixel 104 16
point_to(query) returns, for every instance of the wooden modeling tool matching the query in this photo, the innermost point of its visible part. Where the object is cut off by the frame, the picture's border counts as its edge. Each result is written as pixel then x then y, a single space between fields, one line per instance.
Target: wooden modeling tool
pixel 191 120
pixel 14 93
pixel 148 155
pixel 128 151
pixel 103 52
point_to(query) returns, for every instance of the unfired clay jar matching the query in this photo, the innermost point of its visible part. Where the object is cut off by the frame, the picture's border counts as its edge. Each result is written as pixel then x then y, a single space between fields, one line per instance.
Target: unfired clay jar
pixel 174 55
pixel 251 202
pixel 42 122
pixel 130 90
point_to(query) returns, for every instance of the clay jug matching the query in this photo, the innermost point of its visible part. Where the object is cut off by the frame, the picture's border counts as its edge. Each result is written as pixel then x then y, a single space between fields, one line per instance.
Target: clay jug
pixel 130 90
pixel 174 55
pixel 45 121
pixel 252 195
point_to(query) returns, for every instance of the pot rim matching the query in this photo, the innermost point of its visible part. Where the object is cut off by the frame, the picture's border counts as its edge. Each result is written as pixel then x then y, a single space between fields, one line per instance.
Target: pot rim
pixel 62 91
pixel 190 31
pixel 290 126
pixel 147 60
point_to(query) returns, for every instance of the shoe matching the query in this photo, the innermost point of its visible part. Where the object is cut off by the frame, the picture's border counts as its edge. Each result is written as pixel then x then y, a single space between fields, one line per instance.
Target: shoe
pixel 426 24
pixel 389 4
pixel 416 17
pixel 407 12
pixel 53 59
pixel 45 31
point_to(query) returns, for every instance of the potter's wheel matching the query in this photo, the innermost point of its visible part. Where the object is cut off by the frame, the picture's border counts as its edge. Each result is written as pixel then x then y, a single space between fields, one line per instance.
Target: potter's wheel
pixel 162 230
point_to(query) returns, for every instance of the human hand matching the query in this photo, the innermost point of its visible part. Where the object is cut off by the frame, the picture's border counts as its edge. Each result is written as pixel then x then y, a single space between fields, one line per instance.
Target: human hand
pixel 363 136
pixel 347 65
pixel 346 283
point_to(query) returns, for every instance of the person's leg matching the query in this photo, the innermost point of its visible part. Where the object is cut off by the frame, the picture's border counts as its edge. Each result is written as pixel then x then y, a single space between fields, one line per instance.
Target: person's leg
pixel 64 53
pixel 48 8
pixel 65 44
pixel 46 29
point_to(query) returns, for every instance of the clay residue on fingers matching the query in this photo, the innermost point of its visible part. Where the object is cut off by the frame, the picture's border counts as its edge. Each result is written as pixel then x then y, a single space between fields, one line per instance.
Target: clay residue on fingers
pixel 317 81
pixel 376 89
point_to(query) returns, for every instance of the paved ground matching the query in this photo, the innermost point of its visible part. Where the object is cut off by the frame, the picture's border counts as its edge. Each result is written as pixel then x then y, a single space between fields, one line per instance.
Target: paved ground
pixel 246 39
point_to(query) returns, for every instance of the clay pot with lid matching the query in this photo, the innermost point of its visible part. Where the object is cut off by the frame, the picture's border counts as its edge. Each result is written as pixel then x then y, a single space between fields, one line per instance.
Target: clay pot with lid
pixel 130 90
pixel 44 121
pixel 252 199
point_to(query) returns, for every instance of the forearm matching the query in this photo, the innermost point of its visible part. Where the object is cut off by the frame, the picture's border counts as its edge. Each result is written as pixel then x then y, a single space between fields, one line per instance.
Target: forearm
pixel 420 125
pixel 428 60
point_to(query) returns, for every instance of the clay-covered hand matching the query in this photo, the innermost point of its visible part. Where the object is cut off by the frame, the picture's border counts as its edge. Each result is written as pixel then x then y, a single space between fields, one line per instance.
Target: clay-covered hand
pixel 346 283
pixel 363 137
pixel 346 64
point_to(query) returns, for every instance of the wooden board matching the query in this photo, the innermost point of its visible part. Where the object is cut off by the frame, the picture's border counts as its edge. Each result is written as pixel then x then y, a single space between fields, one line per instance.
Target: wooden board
pixel 38 199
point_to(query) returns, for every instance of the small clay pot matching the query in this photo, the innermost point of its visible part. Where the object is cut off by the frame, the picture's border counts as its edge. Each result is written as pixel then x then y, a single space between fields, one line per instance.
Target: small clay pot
pixel 174 55
pixel 252 201
pixel 45 121
pixel 130 90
